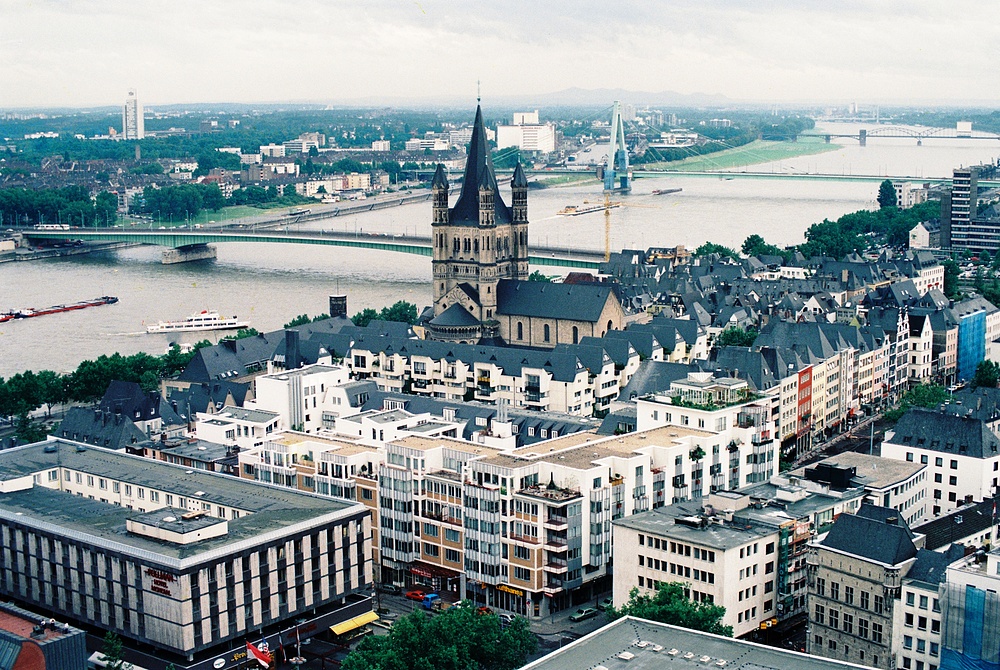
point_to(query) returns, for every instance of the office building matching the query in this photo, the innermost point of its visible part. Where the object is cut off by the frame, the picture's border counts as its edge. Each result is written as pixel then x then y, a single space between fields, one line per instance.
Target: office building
pixel 527 134
pixel 184 562
pixel 133 126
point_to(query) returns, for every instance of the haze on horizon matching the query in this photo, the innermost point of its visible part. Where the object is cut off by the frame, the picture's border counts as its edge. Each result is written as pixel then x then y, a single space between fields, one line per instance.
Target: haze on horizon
pixel 79 53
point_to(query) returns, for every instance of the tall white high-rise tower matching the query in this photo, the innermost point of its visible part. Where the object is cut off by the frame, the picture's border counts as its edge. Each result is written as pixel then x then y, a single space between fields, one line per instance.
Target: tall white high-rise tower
pixel 132 123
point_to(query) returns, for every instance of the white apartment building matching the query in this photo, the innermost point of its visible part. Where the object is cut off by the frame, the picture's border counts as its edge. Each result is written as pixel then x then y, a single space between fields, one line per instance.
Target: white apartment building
pixel 272 150
pixel 300 396
pixel 236 426
pixel 729 565
pixel 381 145
pixel 527 134
pixel 962 455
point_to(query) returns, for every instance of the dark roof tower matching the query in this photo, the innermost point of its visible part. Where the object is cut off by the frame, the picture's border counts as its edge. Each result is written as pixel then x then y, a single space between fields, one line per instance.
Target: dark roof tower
pixel 479 174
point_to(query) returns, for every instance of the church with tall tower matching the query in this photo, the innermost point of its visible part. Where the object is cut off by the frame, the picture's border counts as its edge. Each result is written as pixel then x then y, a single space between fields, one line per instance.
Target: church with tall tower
pixel 480 268
pixel 477 243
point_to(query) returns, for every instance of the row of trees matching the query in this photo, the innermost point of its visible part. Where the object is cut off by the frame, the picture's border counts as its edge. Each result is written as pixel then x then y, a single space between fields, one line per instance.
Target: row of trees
pixel 25 392
pixel 70 205
pixel 402 311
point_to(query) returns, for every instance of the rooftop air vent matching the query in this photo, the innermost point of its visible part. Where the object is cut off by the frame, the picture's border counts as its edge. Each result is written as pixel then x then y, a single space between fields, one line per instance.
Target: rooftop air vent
pixel 626 656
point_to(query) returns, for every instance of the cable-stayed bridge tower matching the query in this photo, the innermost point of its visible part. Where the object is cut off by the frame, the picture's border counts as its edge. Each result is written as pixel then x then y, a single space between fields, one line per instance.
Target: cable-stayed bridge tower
pixel 617 165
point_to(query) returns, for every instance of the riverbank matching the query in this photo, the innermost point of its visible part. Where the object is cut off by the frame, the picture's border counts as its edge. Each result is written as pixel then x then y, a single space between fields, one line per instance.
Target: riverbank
pixel 755 153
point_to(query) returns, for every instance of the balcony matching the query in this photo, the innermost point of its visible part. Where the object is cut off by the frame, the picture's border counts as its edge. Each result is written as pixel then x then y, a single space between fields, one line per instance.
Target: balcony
pixel 552 587
pixel 557 565
pixel 524 539
pixel 555 543
pixel 556 523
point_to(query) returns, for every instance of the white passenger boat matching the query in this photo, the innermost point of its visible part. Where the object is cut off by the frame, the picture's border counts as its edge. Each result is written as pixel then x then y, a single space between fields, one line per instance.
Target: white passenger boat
pixel 204 320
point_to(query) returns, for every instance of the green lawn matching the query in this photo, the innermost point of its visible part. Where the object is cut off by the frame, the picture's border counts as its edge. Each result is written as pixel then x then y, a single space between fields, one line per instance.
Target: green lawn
pixel 566 179
pixel 759 151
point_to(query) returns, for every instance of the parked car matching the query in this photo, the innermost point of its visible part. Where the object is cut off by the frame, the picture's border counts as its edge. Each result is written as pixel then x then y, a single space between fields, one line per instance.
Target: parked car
pixel 506 619
pixel 416 595
pixel 583 614
pixel 484 610
pixel 391 589
pixel 430 600
pixel 605 604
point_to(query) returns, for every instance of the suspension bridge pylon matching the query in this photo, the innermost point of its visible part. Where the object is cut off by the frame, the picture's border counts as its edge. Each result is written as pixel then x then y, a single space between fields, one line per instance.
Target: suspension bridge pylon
pixel 616 169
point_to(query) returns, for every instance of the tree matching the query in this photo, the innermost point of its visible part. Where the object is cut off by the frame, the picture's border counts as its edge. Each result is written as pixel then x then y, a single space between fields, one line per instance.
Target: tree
pixel 952 274
pixel 364 317
pixel 300 320
pixel 751 244
pixel 112 653
pixel 923 395
pixel 736 337
pixel 457 639
pixel 987 375
pixel 670 605
pixel 886 195
pixel 538 276
pixel 711 248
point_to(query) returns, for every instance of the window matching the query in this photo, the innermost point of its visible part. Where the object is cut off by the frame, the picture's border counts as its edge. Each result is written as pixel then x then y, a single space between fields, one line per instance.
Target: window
pixel 907 642
pixel 876 633
pixel 821 587
pixel 863 628
pixel 938 462
pixel 865 600
pixel 545 332
pixel 835 590
pixel 908 620
pixel 922 623
pixel 954 464
pixel 834 618
pixel 849 595
pixel 935 648
pixel 923 602
pixel 910 598
pixel 820 614
pixel 878 605
pixel 520 330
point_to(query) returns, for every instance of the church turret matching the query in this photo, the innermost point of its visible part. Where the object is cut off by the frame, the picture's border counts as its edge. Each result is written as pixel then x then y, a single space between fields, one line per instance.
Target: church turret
pixel 519 226
pixel 439 188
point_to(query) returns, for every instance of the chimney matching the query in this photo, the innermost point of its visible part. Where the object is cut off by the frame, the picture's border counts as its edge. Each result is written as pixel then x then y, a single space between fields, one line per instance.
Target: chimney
pixel 338 306
pixel 292 358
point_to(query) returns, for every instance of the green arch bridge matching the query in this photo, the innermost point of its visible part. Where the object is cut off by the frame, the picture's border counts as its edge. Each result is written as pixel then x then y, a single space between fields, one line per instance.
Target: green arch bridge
pixel 191 243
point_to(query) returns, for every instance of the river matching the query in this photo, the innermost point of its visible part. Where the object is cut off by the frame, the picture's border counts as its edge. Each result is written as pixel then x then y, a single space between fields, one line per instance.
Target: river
pixel 271 283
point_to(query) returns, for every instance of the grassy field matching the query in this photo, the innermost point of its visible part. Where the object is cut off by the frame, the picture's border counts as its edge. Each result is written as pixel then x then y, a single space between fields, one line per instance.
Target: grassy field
pixel 759 151
pixel 566 179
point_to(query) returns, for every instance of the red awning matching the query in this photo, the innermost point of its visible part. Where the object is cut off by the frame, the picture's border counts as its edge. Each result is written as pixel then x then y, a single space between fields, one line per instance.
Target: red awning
pixel 431 571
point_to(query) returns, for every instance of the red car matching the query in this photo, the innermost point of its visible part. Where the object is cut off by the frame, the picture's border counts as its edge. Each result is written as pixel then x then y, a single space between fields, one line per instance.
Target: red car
pixel 416 595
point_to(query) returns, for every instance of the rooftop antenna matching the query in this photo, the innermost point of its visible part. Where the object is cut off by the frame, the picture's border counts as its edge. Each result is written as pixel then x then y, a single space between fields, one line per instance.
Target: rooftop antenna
pixel 478 92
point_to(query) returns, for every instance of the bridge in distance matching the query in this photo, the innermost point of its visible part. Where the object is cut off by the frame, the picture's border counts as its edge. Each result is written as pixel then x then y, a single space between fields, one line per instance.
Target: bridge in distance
pixel 191 240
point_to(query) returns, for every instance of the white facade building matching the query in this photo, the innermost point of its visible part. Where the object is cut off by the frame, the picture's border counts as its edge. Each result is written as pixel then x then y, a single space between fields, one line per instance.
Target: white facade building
pixel 133 124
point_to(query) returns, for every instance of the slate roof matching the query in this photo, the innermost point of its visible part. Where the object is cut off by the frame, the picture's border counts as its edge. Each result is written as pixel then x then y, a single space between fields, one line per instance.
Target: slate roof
pixel 574 302
pixel 871 538
pixel 103 429
pixel 945 433
pixel 469 412
pixel 931 567
pixel 654 377
pixel 479 173
pixel 128 399
pixel 957 524
pixel 455 316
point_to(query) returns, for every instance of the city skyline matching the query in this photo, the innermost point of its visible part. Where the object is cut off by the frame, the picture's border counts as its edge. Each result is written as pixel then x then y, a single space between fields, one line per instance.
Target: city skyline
pixel 88 53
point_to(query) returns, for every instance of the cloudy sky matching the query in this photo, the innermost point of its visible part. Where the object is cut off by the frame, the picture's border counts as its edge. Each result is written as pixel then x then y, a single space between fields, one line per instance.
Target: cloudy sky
pixel 89 52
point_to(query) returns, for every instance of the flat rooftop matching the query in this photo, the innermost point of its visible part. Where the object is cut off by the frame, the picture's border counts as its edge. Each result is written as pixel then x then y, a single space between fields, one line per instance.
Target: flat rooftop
pixel 581 450
pixel 243 414
pixel 271 509
pixel 872 471
pixel 422 443
pixel 661 522
pixel 637 644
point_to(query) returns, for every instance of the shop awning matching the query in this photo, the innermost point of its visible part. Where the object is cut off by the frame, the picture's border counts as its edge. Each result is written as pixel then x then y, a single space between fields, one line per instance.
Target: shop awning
pixel 356 622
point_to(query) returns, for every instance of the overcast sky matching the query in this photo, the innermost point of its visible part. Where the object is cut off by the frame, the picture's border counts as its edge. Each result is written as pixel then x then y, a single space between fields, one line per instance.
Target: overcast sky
pixel 89 52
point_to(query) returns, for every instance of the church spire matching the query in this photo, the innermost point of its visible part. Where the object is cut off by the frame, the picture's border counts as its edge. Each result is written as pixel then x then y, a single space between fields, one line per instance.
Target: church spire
pixel 479 174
